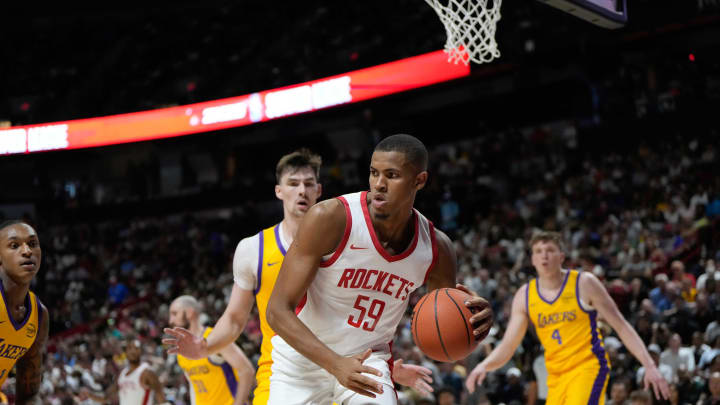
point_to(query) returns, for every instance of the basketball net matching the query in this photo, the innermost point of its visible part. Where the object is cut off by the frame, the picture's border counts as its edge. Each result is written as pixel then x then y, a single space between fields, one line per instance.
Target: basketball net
pixel 470 27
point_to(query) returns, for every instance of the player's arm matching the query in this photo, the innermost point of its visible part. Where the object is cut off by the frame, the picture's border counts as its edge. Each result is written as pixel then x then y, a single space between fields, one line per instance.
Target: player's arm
pixel 245 371
pixel 514 333
pixel 442 275
pixel 592 290
pixel 150 380
pixel 230 325
pixel 110 393
pixel 414 376
pixel 232 322
pixel 29 368
pixel 320 233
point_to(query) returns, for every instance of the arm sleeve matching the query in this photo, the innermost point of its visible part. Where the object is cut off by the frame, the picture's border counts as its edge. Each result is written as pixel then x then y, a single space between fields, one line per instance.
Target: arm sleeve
pixel 245 263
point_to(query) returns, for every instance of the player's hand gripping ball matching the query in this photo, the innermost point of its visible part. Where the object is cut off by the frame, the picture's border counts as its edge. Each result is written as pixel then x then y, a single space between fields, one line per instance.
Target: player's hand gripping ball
pixel 441 325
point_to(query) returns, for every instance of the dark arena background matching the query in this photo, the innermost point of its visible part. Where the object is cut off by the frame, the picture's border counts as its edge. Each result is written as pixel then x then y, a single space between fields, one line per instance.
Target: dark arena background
pixel 609 136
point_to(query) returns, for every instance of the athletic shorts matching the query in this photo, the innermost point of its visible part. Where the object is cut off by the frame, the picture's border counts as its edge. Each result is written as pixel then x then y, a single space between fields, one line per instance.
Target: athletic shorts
pixel 295 380
pixel 582 386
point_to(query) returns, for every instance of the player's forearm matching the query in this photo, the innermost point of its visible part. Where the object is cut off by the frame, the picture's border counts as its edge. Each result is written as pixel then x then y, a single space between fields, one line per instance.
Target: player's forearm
pixel 498 357
pixel 98 398
pixel 246 379
pixel 245 384
pixel 635 345
pixel 225 332
pixel 287 325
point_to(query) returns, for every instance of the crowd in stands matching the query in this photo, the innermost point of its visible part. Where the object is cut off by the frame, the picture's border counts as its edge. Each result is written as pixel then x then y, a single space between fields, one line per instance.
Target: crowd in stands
pixel 643 219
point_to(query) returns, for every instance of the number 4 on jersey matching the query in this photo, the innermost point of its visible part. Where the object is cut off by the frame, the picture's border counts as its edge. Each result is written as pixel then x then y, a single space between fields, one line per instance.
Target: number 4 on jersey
pixel 556 335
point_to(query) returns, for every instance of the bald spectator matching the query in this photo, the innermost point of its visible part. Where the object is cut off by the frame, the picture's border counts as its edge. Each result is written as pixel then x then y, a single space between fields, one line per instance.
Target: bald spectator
pixel 677 270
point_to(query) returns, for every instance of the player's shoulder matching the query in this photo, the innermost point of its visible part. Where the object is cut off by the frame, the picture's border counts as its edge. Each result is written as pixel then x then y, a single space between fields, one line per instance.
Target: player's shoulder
pixel 587 279
pixel 441 237
pixel 330 209
pixel 248 241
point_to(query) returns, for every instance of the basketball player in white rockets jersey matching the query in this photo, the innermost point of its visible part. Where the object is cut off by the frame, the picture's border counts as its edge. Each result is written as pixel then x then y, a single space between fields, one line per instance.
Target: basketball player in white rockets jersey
pixel 137 384
pixel 346 282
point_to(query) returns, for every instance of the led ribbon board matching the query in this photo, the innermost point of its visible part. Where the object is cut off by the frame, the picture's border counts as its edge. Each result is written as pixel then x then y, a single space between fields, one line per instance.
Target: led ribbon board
pixel 359 85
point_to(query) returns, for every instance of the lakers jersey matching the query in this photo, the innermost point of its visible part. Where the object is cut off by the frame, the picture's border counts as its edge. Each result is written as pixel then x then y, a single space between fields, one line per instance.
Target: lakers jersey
pixel 567 330
pixel 213 381
pixel 270 257
pixel 16 338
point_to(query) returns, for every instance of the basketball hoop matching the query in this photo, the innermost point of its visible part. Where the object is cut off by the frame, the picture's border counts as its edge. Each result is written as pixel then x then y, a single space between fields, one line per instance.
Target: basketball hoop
pixel 470 27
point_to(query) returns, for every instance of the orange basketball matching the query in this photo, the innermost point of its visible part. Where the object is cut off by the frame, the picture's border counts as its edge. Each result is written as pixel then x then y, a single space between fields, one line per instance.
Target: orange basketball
pixel 441 325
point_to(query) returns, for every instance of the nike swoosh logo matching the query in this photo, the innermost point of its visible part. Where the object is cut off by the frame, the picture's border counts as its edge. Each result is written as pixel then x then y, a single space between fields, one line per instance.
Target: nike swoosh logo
pixel 356 247
pixel 272 264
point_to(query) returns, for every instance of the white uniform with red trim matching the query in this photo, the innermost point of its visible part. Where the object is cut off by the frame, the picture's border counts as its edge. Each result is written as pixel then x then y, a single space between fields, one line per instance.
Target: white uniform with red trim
pixel 130 389
pixel 356 301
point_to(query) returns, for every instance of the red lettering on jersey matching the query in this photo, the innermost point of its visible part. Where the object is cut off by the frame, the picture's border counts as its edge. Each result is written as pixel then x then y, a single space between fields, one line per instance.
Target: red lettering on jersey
pixel 404 283
pixel 380 280
pixel 407 290
pixel 367 285
pixel 359 278
pixel 345 278
pixel 390 284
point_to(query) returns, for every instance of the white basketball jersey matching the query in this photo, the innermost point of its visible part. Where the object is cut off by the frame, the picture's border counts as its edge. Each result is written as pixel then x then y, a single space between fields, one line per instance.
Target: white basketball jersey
pixel 130 390
pixel 360 292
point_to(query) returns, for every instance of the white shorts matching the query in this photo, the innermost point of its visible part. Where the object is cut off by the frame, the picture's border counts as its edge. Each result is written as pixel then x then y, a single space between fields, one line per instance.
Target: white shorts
pixel 297 380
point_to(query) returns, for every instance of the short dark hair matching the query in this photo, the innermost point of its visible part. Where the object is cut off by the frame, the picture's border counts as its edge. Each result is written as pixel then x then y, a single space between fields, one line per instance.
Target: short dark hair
pixel 641 396
pixel 413 148
pixel 624 382
pixel 297 160
pixel 11 222
pixel 444 389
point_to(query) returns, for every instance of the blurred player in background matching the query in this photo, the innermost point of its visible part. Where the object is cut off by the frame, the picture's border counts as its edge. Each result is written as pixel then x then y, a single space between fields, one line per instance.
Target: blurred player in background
pixel 224 379
pixel 24 323
pixel 563 306
pixel 256 264
pixel 137 384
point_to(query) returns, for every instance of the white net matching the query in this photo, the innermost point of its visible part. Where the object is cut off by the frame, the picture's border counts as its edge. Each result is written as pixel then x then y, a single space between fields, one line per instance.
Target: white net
pixel 470 27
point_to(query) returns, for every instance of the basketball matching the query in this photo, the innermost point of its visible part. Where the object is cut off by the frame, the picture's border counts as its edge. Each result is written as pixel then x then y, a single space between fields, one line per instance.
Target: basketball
pixel 441 325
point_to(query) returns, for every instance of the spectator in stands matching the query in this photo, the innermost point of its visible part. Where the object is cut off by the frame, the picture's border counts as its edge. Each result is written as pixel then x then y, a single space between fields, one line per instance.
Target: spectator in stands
pixel 619 393
pixel 446 396
pixel 677 270
pixel 659 295
pixel 512 390
pixel 708 355
pixel 709 272
pixel 482 283
pixel 698 346
pixel 117 291
pixel 640 398
pixel 713 397
pixel 664 369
